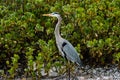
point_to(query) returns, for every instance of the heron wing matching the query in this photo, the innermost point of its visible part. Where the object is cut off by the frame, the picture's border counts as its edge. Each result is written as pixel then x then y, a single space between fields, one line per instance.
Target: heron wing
pixel 70 53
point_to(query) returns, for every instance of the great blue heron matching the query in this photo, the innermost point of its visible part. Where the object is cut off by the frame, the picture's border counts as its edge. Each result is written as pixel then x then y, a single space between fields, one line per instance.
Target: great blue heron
pixel 65 47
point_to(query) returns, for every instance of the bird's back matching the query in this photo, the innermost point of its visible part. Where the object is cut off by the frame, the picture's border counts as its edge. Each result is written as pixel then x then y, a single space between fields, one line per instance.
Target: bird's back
pixel 70 52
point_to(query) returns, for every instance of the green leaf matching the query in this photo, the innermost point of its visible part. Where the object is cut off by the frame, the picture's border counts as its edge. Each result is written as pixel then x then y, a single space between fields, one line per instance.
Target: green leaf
pixel 90 44
pixel 39 27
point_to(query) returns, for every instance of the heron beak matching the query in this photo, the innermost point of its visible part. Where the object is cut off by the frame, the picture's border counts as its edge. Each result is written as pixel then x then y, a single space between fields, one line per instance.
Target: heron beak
pixel 46 14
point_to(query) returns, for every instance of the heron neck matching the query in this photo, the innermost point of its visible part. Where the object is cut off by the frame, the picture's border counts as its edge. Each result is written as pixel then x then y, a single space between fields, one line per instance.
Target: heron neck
pixel 57 29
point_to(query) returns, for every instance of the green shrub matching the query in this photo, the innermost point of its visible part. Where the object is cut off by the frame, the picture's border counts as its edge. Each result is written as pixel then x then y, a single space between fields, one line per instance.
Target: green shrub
pixel 27 38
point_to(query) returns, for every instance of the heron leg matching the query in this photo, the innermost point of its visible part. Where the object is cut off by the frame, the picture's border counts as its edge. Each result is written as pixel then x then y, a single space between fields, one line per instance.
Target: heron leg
pixel 68 70
pixel 71 75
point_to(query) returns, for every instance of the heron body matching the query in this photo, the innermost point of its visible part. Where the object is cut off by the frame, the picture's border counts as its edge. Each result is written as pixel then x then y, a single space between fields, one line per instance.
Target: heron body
pixel 65 47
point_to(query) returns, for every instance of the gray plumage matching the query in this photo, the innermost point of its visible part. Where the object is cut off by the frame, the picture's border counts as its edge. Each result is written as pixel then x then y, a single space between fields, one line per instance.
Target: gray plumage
pixel 65 47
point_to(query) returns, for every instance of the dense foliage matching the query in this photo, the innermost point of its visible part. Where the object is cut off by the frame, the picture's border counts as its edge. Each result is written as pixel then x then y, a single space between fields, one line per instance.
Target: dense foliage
pixel 27 39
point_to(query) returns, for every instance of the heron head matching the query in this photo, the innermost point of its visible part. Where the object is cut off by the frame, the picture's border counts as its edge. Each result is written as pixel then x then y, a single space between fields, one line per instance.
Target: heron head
pixel 54 14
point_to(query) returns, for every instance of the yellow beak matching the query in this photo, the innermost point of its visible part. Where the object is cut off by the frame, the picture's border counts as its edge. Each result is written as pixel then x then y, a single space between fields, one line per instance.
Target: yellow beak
pixel 46 14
